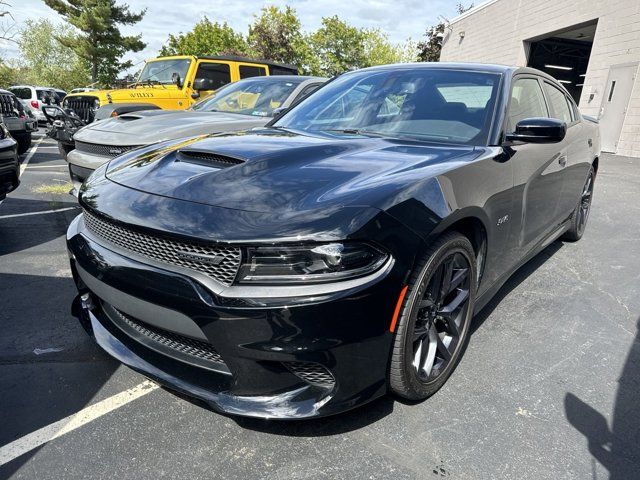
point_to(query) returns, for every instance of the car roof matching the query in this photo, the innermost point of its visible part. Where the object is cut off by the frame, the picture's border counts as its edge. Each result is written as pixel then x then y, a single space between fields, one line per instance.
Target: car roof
pixel 479 67
pixel 285 78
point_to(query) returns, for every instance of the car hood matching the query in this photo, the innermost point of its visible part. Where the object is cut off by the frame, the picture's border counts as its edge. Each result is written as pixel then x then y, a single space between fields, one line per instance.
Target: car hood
pixel 275 171
pixel 151 126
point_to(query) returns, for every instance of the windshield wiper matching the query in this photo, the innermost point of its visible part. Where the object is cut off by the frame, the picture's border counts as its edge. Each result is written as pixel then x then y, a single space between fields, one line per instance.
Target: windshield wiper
pixel 357 131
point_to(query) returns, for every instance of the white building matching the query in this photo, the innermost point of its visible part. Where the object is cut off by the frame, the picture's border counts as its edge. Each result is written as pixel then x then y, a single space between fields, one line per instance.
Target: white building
pixel 592 46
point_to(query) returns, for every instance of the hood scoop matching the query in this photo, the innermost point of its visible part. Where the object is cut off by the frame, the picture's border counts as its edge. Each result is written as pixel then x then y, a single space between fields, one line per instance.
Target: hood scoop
pixel 127 117
pixel 207 159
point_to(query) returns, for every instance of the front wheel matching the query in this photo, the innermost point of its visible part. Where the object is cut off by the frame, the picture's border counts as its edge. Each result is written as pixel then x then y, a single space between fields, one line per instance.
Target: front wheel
pixel 433 327
pixel 580 215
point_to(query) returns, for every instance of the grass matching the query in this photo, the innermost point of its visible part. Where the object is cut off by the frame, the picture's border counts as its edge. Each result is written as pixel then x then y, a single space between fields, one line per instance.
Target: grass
pixel 54 188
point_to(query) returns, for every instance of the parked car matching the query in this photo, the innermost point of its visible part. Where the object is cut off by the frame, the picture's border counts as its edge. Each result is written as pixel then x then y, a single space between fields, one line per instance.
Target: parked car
pixel 34 98
pixel 237 106
pixel 15 118
pixel 339 253
pixel 9 163
pixel 59 94
pixel 83 89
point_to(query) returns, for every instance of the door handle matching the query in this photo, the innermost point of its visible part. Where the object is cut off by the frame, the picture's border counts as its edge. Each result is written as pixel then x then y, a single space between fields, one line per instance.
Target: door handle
pixel 563 161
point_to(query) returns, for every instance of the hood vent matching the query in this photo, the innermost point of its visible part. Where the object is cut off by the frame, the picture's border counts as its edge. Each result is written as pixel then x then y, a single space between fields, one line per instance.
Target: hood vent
pixel 207 159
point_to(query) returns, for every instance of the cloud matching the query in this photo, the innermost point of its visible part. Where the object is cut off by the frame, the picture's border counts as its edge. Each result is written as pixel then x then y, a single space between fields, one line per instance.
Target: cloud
pixel 400 19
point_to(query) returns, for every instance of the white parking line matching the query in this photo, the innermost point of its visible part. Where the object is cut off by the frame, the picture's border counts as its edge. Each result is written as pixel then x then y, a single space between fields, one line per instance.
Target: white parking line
pixel 45 434
pixel 2 217
pixel 34 147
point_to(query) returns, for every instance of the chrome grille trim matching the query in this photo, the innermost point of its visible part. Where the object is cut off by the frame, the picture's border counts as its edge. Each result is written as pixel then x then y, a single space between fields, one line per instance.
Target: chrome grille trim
pixel 169 251
pixel 312 373
pixel 175 341
pixel 109 151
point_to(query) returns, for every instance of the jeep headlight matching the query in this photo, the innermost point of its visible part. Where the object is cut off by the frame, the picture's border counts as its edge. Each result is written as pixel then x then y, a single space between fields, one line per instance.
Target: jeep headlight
pixel 311 263
pixel 96 104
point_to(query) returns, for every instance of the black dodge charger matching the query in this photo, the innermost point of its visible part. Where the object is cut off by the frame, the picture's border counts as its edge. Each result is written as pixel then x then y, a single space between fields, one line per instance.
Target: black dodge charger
pixel 339 253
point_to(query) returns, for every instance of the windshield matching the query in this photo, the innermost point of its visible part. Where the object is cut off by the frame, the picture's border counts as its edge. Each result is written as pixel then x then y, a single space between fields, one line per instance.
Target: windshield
pixel 253 96
pixel 162 71
pixel 439 105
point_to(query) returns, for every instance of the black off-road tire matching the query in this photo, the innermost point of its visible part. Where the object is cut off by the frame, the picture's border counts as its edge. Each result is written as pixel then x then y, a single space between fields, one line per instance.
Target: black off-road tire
pixel 403 379
pixel 24 143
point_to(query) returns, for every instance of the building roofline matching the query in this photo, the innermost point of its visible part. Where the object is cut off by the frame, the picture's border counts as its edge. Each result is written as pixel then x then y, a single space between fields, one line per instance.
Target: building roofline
pixel 471 11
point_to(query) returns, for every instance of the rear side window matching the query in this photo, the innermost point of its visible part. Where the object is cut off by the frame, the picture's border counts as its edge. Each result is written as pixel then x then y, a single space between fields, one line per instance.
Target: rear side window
pixel 526 101
pixel 308 90
pixel 247 71
pixel 558 103
pixel 21 92
pixel 218 73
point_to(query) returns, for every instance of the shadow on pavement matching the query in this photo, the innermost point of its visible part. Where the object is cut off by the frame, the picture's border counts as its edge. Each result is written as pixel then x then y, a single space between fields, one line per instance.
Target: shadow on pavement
pixel 618 448
pixel 516 279
pixel 38 390
pixel 21 233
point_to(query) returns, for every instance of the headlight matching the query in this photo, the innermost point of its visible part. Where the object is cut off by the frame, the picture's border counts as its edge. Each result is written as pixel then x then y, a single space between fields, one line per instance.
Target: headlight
pixel 315 263
pixel 96 103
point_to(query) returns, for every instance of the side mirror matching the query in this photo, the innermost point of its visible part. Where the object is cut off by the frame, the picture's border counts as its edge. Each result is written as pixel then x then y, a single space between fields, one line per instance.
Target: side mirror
pixel 52 112
pixel 203 84
pixel 278 112
pixel 538 130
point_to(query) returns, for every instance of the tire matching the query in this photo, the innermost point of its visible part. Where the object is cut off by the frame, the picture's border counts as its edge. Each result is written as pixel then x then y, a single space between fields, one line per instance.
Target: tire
pixel 24 143
pixel 406 379
pixel 64 150
pixel 580 214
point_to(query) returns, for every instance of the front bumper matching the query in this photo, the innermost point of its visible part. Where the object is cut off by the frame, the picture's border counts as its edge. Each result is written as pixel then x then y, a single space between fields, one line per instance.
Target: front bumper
pixel 266 349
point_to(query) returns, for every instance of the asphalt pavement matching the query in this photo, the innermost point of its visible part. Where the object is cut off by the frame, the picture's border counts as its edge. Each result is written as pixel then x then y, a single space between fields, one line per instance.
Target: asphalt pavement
pixel 549 387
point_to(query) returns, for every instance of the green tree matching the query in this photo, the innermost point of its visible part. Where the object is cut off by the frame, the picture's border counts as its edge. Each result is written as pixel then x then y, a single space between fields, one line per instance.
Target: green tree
pixel 276 35
pixel 44 61
pixel 337 47
pixel 429 49
pixel 206 38
pixel 100 42
pixel 378 50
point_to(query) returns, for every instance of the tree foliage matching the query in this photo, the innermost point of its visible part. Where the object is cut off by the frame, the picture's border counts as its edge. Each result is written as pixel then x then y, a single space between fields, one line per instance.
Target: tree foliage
pixel 206 38
pixel 276 34
pixel 45 61
pixel 429 49
pixel 100 42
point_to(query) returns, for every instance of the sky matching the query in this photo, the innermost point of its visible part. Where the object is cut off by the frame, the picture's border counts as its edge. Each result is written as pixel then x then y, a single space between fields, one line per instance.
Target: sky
pixel 400 19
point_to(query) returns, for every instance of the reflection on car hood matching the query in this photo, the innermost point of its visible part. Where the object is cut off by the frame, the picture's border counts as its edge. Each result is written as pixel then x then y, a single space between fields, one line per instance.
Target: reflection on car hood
pixel 276 171
pixel 150 126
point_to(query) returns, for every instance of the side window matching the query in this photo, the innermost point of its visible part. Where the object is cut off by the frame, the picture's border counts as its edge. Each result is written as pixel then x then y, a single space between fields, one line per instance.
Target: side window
pixel 558 103
pixel 526 101
pixel 217 73
pixel 247 71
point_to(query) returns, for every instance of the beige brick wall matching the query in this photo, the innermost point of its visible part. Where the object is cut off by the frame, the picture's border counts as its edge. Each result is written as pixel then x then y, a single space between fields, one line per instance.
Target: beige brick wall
pixel 495 33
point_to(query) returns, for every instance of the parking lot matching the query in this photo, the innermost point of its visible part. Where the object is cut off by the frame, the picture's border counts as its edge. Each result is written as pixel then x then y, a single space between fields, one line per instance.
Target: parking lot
pixel 548 387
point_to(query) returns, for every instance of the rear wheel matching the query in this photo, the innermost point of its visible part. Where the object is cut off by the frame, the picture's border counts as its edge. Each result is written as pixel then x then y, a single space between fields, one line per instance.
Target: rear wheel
pixel 64 149
pixel 581 213
pixel 24 143
pixel 433 327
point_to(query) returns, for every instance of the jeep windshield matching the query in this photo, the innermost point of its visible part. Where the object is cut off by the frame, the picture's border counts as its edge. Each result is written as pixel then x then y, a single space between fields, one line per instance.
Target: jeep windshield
pixel 163 71
pixel 435 105
pixel 256 96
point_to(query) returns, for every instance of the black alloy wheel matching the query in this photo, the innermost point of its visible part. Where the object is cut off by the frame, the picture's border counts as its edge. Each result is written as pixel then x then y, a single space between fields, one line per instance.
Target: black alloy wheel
pixel 581 213
pixel 434 325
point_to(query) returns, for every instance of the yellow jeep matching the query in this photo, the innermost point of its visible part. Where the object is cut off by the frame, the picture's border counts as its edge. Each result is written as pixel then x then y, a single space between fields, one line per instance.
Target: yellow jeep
pixel 173 83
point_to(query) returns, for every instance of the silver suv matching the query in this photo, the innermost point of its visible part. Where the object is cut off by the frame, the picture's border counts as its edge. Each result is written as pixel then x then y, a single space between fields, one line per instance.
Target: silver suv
pixel 34 98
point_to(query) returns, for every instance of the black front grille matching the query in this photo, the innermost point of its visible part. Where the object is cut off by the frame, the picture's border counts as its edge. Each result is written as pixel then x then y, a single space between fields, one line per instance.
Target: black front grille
pixel 84 106
pixel 312 373
pixel 174 341
pixel 219 262
pixel 103 150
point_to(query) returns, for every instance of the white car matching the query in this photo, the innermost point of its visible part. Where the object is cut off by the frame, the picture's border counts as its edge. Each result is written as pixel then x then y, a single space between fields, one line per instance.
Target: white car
pixel 34 98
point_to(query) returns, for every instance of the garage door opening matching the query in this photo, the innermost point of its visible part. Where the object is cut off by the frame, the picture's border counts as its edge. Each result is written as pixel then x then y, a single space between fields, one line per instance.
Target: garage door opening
pixel 564 55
